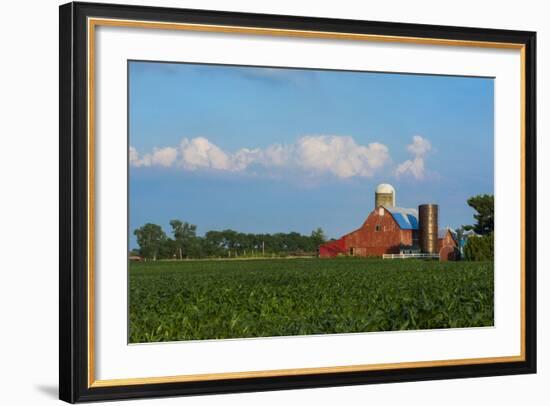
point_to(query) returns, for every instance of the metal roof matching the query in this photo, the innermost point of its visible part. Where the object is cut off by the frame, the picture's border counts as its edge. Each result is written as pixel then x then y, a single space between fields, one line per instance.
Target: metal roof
pixel 442 232
pixel 406 219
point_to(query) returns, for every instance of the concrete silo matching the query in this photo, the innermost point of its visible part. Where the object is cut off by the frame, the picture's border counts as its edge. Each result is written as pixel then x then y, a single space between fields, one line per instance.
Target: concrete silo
pixel 384 196
pixel 428 228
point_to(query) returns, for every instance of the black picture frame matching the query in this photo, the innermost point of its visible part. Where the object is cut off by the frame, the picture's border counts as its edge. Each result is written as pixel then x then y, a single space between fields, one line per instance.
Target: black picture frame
pixel 74 199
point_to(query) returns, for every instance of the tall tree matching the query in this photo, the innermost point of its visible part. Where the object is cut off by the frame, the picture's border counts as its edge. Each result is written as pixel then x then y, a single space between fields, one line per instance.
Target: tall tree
pixel 484 205
pixel 150 238
pixel 185 236
pixel 167 249
pixel 318 237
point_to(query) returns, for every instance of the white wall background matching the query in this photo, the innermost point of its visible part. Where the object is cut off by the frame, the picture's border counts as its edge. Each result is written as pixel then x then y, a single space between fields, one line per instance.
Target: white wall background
pixel 29 189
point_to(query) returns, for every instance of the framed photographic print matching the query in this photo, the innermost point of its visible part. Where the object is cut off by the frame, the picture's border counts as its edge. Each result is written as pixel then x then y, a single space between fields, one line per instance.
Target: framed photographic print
pixel 256 202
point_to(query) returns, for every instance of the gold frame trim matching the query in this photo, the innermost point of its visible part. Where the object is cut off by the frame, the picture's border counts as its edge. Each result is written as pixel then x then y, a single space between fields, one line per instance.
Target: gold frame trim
pixel 94 22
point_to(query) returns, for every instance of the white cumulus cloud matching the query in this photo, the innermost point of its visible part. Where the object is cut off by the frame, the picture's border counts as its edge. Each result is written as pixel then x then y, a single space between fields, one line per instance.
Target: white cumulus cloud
pixel 134 157
pixel 414 167
pixel 158 157
pixel 339 156
pixel 164 156
pixel 200 153
pixel 420 147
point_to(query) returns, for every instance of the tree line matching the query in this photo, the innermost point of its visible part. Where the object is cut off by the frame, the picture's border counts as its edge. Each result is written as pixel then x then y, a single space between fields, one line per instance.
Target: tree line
pixel 481 247
pixel 184 243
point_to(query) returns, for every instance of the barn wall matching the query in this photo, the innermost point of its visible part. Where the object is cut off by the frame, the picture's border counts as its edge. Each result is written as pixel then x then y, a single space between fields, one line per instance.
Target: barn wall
pixel 447 253
pixel 332 248
pixel 367 241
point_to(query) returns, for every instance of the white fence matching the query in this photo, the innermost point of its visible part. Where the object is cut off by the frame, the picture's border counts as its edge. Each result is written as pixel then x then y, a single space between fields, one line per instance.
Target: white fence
pixel 405 256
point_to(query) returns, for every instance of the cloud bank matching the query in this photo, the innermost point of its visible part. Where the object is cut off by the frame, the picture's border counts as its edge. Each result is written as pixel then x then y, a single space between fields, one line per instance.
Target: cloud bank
pixel 415 167
pixel 339 156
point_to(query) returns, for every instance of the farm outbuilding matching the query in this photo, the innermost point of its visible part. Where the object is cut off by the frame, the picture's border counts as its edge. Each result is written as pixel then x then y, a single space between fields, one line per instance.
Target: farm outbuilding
pixel 394 230
pixel 447 245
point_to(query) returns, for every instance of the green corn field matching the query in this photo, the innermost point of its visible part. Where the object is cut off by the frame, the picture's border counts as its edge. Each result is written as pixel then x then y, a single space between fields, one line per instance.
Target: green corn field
pixel 211 299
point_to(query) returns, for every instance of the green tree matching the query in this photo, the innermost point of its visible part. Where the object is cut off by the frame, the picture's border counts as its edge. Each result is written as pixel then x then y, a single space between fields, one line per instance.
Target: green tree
pixel 185 237
pixel 484 205
pixel 479 248
pixel 167 249
pixel 150 238
pixel 318 237
pixel 213 244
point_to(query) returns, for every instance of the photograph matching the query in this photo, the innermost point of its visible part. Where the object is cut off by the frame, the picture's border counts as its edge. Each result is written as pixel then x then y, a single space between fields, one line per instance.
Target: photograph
pixel 254 201
pixel 270 201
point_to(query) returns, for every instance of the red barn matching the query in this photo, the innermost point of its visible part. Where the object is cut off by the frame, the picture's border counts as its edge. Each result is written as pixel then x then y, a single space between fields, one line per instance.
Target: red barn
pixel 395 230
pixel 385 231
pixel 447 245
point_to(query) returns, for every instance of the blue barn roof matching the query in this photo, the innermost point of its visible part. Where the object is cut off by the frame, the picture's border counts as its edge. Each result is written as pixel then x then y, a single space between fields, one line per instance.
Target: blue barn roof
pixel 406 219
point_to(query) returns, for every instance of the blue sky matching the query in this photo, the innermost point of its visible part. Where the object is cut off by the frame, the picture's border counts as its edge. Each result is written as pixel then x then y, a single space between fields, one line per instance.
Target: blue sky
pixel 279 150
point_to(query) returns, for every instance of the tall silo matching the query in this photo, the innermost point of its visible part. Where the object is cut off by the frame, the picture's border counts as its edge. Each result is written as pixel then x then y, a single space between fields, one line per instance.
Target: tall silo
pixel 428 227
pixel 384 196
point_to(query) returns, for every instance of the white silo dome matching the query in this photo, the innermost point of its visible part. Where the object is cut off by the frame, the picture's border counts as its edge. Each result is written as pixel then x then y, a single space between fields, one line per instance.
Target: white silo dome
pixel 385 188
pixel 384 196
